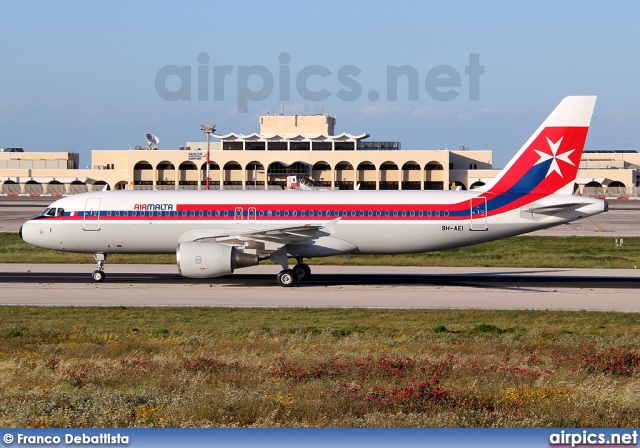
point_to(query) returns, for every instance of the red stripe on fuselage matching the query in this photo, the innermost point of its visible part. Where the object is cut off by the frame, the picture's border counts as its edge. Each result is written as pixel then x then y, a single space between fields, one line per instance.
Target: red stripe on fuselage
pixel 325 207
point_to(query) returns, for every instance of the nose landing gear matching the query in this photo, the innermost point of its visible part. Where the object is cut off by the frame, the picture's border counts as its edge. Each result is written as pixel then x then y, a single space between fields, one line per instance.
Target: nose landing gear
pixel 98 275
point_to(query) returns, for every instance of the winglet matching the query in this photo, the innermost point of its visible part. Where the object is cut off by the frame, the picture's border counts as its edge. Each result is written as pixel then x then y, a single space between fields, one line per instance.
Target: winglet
pixel 331 226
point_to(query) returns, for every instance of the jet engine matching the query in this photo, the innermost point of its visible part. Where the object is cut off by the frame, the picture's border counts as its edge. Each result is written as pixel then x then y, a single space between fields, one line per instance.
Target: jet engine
pixel 197 259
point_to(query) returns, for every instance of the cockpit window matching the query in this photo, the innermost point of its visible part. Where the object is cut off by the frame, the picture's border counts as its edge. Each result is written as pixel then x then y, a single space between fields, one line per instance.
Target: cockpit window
pixel 53 211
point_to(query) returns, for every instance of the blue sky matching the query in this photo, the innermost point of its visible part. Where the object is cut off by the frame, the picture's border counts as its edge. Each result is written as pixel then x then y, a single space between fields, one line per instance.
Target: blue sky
pixel 77 76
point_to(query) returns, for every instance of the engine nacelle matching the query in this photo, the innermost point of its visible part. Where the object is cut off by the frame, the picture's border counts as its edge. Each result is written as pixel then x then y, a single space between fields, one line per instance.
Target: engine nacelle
pixel 197 259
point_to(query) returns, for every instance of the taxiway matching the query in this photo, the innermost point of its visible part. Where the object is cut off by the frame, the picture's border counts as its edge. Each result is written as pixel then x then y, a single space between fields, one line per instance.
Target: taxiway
pixel 330 286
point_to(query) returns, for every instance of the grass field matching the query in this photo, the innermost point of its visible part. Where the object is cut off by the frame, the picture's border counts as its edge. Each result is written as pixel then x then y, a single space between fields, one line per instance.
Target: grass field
pixel 198 367
pixel 195 367
pixel 522 251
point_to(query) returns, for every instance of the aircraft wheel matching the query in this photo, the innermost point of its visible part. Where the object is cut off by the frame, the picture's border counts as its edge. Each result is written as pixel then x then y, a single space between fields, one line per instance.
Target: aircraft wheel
pixel 302 271
pixel 286 278
pixel 98 276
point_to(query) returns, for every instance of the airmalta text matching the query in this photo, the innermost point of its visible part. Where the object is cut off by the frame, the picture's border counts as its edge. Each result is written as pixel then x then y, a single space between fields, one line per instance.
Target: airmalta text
pixel 153 207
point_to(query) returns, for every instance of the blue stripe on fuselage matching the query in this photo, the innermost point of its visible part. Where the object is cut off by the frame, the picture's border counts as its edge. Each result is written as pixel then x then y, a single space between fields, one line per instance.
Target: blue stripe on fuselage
pixel 524 186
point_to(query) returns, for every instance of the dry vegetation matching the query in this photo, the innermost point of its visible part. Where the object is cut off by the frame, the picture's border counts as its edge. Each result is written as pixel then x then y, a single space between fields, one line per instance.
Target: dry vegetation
pixel 196 367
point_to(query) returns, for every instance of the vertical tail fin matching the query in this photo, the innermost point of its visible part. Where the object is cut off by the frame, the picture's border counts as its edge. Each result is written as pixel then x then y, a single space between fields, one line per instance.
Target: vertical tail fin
pixel 548 162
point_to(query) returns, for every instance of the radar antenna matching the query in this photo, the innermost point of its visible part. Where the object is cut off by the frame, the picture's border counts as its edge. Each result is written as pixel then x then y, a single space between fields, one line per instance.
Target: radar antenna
pixel 152 141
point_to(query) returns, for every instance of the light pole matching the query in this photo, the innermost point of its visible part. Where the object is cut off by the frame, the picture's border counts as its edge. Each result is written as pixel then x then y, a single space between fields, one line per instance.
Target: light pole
pixel 208 129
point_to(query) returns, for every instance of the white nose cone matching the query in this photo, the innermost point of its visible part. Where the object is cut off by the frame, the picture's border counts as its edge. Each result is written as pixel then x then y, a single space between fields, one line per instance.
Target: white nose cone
pixel 31 234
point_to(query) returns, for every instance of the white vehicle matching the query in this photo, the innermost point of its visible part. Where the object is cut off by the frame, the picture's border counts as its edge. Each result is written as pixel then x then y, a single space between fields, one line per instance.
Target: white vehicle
pixel 215 232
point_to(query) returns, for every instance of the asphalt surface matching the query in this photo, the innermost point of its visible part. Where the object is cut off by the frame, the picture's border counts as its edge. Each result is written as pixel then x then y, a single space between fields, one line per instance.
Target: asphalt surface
pixel 330 286
pixel 325 276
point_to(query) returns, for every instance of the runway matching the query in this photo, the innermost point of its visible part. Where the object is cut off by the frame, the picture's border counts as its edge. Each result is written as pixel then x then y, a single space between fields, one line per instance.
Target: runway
pixel 333 286
pixel 330 286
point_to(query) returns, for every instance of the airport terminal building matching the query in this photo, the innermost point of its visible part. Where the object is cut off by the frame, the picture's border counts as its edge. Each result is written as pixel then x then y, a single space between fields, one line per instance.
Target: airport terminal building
pixel 301 145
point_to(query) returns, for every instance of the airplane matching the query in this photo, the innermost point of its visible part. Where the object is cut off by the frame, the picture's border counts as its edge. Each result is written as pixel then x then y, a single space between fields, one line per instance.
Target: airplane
pixel 213 233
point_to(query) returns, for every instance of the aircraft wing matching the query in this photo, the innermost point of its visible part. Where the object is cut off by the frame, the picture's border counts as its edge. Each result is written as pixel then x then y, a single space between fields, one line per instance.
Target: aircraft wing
pixel 276 235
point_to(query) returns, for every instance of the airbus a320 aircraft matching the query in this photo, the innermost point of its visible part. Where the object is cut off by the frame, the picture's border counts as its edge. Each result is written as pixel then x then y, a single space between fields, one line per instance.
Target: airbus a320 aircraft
pixel 215 232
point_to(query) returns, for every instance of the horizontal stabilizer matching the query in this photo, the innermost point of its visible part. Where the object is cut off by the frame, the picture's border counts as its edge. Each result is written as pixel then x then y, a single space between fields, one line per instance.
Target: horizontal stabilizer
pixel 552 209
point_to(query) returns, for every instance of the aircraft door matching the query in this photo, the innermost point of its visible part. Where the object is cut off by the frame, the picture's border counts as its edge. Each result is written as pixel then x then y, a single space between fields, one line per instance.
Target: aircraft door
pixel 92 214
pixel 479 214
pixel 252 215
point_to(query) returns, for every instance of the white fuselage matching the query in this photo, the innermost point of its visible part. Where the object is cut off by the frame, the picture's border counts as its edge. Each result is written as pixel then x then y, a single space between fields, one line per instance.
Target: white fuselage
pixel 371 222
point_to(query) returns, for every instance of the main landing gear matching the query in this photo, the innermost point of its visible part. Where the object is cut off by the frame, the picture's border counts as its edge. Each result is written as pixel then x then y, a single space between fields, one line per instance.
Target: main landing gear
pixel 286 278
pixel 98 274
pixel 289 277
pixel 302 271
